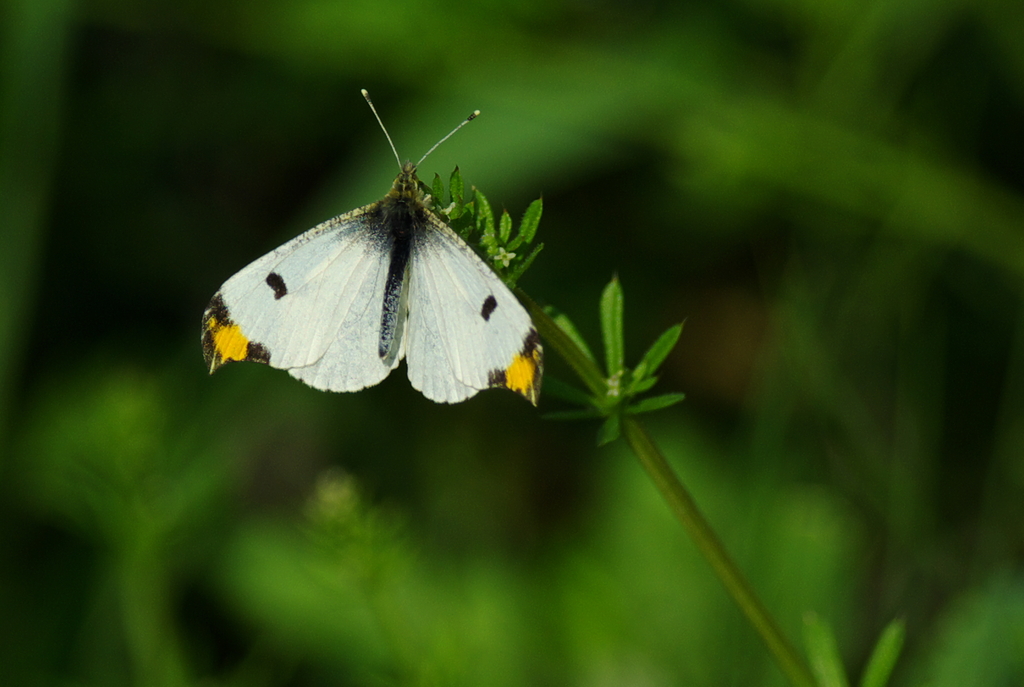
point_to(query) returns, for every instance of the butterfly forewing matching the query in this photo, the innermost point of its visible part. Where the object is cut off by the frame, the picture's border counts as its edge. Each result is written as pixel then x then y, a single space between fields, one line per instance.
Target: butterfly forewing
pixel 313 304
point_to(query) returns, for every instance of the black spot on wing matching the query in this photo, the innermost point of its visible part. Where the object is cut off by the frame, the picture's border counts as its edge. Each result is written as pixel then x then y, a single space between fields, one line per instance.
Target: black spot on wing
pixel 496 378
pixel 216 311
pixel 257 353
pixel 490 303
pixel 531 342
pixel 215 317
pixel 276 282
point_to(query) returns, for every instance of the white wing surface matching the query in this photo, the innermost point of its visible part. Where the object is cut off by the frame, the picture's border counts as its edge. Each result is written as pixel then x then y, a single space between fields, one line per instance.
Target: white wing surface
pixel 312 306
pixel 466 330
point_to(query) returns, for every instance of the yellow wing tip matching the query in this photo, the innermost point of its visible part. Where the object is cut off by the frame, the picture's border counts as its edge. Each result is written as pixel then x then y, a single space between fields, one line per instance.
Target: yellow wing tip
pixel 524 373
pixel 223 340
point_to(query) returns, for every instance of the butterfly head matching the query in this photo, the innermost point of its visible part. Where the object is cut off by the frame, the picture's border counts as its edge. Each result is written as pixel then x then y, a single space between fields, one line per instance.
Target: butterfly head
pixel 407 185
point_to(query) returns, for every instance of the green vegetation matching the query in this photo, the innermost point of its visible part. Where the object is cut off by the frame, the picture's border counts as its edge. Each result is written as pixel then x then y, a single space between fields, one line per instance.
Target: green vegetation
pixel 830 195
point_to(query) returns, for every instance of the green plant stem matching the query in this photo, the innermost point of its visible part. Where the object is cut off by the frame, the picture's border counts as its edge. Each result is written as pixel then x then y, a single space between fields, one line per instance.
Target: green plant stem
pixel 685 508
pixel 553 336
pixel 682 504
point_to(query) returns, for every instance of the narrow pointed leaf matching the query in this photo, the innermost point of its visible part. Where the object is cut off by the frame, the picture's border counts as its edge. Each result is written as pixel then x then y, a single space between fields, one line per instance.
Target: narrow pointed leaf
pixel 456 187
pixel 556 388
pixel 653 403
pixel 611 326
pixel 641 385
pixel 484 220
pixel 458 210
pixel 823 652
pixel 437 191
pixel 884 656
pixel 659 350
pixel 504 227
pixel 571 415
pixel 466 228
pixel 528 225
pixel 566 325
pixel 610 430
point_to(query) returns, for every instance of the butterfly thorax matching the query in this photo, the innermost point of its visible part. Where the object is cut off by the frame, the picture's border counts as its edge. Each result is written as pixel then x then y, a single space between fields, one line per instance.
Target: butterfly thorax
pixel 403 207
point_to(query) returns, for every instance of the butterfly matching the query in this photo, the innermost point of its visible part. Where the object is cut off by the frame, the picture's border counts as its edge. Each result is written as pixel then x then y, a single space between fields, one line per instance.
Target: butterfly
pixel 340 305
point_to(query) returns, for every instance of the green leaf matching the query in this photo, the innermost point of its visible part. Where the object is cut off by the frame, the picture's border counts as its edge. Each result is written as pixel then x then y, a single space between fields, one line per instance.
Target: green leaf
pixel 456 187
pixel 556 388
pixel 640 385
pixel 528 225
pixel 658 351
pixel 823 652
pixel 611 326
pixel 648 405
pixel 484 220
pixel 458 211
pixel 566 325
pixel 883 658
pixel 463 225
pixel 571 415
pixel 437 191
pixel 610 430
pixel 504 227
pixel 520 266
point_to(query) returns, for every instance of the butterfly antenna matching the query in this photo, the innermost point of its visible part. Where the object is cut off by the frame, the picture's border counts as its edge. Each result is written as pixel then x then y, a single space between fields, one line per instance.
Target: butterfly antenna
pixel 467 120
pixel 385 130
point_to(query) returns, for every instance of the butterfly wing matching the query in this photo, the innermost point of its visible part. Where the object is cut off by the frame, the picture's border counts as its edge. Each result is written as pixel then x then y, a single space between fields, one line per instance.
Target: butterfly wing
pixel 312 307
pixel 466 330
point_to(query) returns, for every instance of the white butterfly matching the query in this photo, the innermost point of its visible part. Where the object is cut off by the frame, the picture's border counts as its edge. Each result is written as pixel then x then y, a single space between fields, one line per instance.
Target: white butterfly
pixel 340 305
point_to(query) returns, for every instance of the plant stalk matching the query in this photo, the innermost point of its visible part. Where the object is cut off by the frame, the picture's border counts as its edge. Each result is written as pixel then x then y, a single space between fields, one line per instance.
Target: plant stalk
pixel 686 510
pixel 682 504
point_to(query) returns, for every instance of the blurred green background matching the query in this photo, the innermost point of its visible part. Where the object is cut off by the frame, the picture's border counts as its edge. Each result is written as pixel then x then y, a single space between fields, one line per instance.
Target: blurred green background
pixel 829 193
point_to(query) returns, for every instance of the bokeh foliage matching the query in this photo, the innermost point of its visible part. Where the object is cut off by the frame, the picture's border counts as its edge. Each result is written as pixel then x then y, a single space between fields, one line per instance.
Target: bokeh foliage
pixel 829 193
